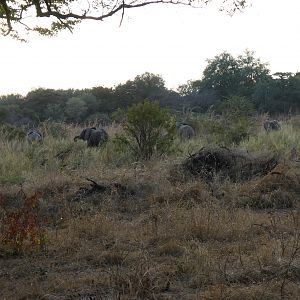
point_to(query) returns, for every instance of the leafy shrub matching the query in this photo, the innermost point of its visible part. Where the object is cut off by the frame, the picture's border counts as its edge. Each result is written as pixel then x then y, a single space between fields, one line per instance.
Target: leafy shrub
pixel 148 130
pixel 236 107
pixel 233 124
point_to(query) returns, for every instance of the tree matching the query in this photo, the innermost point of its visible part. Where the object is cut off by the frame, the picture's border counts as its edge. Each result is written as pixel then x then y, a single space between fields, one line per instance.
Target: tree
pixel 75 109
pixel 11 99
pixel 195 96
pixel 54 112
pixel 65 14
pixel 91 102
pixel 192 87
pixel 251 71
pixel 221 74
pixel 278 93
pixel 146 86
pixel 43 101
pixel 233 76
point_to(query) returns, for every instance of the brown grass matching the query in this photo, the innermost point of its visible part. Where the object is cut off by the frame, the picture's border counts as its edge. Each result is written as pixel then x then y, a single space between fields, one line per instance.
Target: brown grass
pixel 189 240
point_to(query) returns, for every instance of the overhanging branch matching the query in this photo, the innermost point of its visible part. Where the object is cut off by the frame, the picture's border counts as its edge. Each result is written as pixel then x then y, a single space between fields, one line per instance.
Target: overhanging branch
pixel 11 12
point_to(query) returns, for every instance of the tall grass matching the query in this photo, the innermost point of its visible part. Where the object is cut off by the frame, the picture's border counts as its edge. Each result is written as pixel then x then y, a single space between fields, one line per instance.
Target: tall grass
pixel 59 155
pixel 278 142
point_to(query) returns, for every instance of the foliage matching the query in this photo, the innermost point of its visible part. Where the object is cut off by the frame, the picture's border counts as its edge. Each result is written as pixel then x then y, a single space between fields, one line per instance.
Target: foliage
pixel 22 231
pixel 221 74
pixel 191 87
pixel 279 93
pixel 224 76
pixel 233 76
pixel 55 112
pixel 149 129
pixel 75 108
pixel 236 107
pixel 66 14
pixel 146 86
pixel 233 124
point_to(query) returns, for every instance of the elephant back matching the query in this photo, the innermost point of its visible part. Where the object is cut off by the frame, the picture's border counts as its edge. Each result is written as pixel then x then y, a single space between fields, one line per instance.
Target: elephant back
pixel 86 133
pixel 34 136
pixel 186 131
pixel 97 138
pixel 271 125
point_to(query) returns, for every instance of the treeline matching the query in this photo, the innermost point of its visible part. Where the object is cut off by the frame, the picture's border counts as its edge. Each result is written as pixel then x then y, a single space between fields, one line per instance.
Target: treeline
pixel 225 76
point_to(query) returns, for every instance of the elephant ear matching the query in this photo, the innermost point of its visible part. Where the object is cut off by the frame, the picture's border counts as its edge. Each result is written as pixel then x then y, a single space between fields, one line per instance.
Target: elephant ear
pixel 82 134
pixel 88 133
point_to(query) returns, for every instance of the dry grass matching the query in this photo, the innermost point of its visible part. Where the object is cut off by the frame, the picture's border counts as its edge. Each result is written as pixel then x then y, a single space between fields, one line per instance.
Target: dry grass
pixel 153 239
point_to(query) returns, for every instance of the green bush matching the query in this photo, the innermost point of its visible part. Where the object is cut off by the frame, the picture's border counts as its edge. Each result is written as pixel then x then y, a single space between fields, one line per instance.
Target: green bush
pixel 148 130
pixel 236 107
pixel 235 122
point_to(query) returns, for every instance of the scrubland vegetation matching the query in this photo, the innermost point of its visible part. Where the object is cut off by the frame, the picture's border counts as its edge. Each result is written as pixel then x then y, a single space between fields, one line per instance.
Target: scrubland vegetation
pixel 136 233
pixel 136 218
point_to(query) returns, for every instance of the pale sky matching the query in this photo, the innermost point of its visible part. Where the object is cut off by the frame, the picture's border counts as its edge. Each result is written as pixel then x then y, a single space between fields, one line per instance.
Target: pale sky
pixel 172 41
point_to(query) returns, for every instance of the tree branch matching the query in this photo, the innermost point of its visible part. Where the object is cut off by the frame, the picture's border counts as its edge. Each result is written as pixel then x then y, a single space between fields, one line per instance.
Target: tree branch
pixel 7 16
pixel 67 17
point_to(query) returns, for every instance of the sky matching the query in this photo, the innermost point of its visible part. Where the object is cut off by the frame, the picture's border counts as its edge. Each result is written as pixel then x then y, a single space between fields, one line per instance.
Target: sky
pixel 170 40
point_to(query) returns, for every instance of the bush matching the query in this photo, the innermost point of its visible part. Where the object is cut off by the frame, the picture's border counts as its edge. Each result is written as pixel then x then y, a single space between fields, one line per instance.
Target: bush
pixel 21 230
pixel 148 130
pixel 236 107
pixel 233 123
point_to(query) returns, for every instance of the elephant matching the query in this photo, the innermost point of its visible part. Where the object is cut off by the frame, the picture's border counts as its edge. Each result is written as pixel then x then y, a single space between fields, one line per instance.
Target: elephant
pixel 186 132
pixel 94 137
pixel 271 125
pixel 34 136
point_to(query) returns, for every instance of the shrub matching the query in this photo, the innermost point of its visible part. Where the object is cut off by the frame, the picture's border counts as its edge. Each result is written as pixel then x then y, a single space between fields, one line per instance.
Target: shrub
pixel 21 229
pixel 233 124
pixel 236 107
pixel 148 130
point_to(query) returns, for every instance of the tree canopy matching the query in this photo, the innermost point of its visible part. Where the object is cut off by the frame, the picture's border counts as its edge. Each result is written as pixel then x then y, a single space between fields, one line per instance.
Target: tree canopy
pixel 65 14
pixel 228 75
pixel 226 84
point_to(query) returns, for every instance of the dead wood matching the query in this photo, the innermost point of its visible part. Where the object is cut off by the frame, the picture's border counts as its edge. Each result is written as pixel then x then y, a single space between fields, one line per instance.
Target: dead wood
pixel 233 163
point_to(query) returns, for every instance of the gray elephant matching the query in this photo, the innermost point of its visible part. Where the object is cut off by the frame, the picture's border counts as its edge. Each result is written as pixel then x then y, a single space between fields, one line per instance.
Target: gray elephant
pixel 271 125
pixel 186 132
pixel 34 136
pixel 94 137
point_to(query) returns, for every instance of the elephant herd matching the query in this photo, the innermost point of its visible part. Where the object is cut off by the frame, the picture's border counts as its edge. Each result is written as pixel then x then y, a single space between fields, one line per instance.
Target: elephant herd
pixel 97 137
